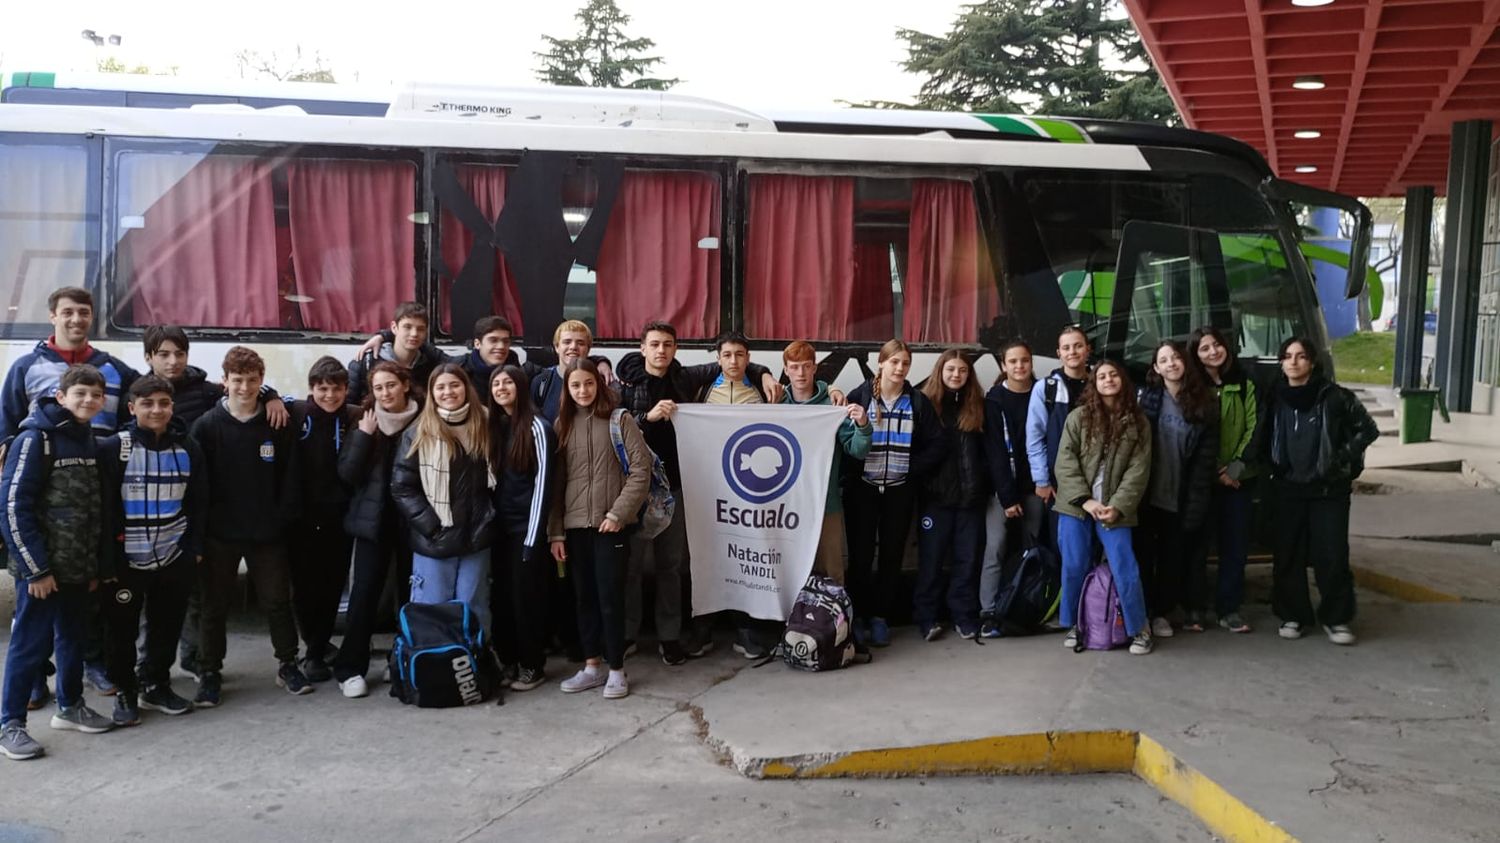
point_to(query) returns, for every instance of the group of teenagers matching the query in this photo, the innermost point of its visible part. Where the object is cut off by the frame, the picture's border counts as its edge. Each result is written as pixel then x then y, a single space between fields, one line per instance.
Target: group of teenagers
pixel 130 500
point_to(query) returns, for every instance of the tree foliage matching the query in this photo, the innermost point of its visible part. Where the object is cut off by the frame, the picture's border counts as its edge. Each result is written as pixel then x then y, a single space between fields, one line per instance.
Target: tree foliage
pixel 1068 58
pixel 283 67
pixel 114 65
pixel 600 55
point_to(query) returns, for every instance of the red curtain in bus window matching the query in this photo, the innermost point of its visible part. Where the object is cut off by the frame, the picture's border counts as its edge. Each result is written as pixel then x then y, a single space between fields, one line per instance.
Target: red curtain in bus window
pixel 486 186
pixel 799 261
pixel 204 251
pixel 651 266
pixel 353 248
pixel 945 266
pixel 871 305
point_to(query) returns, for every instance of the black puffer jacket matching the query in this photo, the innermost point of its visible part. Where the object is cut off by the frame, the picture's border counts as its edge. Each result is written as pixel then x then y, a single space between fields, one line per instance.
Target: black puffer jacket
pixel 1322 419
pixel 1199 465
pixel 469 491
pixel 963 478
pixel 365 464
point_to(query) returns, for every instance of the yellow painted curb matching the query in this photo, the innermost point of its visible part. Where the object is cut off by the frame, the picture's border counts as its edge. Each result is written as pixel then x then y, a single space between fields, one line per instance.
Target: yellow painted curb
pixel 1048 752
pixel 1401 589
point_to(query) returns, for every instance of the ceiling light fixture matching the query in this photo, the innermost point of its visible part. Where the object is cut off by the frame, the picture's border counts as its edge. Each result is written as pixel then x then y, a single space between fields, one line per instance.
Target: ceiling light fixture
pixel 1307 168
pixel 1311 3
pixel 1307 134
pixel 1308 83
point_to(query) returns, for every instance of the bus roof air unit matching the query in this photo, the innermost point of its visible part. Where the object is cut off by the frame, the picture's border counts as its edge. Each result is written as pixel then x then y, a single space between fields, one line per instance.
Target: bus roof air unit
pixel 573 106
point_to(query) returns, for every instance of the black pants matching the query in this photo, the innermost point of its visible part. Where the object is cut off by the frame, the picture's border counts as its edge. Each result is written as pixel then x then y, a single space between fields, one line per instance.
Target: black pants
pixel 1312 530
pixel 518 594
pixel 1172 572
pixel 162 596
pixel 270 574
pixel 372 561
pixel 187 645
pixel 319 552
pixel 597 563
pixel 875 519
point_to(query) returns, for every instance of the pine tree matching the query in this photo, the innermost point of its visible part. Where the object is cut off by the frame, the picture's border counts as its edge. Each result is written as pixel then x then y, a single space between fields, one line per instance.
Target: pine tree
pixel 1070 58
pixel 600 56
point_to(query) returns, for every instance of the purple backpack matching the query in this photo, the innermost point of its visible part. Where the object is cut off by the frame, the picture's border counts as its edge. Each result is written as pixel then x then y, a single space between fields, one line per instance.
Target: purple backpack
pixel 1101 626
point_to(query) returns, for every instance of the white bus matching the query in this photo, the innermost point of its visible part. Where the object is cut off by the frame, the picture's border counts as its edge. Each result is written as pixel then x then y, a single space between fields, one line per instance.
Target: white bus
pixel 298 233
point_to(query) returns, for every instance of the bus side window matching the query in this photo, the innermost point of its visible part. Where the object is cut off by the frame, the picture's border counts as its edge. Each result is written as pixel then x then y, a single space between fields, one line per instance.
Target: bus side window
pixel 44 227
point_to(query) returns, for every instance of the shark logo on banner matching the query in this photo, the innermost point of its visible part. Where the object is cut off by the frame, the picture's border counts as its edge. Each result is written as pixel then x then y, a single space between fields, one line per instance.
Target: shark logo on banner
pixel 754 509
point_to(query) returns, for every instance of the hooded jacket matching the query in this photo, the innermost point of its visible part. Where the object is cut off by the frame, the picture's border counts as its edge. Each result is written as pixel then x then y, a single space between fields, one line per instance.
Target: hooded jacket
pixel 927 443
pixel 1052 401
pixel 468 490
pixel 254 492
pixel 1005 433
pixel 1323 420
pixel 594 484
pixel 36 375
pixel 320 437
pixel 155 489
pixel 54 499
pixel 640 391
pixel 853 439
pixel 1126 469
pixel 365 466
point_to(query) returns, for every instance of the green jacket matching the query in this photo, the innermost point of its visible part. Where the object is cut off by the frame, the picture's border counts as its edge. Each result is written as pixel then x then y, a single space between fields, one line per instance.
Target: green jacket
pixel 1126 469
pixel 1238 415
pixel 854 440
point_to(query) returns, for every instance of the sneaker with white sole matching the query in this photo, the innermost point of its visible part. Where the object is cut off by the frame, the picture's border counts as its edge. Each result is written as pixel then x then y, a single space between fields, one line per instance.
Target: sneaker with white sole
pixel 1340 634
pixel 1161 628
pixel 1071 639
pixel 163 699
pixel 354 687
pixel 17 744
pixel 81 718
pixel 617 686
pixel 1291 630
pixel 586 679
pixel 527 679
pixel 1234 623
pixel 1142 644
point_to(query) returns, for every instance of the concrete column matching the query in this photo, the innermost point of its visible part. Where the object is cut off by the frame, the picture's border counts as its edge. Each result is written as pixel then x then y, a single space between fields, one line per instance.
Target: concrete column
pixel 1416 252
pixel 1458 305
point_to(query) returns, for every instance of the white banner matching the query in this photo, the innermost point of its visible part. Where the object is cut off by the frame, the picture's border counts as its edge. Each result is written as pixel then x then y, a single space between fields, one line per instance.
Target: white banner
pixel 754 482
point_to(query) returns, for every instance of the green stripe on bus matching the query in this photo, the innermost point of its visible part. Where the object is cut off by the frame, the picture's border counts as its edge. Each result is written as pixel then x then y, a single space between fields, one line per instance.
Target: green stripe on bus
pixel 1061 130
pixel 1009 125
pixel 35 80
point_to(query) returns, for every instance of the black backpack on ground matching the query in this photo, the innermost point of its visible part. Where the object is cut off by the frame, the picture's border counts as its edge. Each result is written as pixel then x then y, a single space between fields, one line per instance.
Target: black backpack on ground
pixel 442 657
pixel 819 633
pixel 1029 594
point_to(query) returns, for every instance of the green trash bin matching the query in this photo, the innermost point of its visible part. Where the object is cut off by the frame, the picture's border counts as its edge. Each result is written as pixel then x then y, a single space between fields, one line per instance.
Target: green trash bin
pixel 1416 414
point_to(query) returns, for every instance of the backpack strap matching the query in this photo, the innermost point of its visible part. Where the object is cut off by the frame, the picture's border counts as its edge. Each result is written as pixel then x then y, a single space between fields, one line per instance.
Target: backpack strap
pixel 1049 391
pixel 618 437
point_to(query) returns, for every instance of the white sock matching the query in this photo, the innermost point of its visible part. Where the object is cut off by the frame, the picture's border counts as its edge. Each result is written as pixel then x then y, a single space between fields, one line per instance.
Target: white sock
pixel 616 675
pixel 592 669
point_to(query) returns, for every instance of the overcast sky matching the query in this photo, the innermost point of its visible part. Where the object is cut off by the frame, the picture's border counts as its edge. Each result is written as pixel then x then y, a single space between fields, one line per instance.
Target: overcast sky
pixel 791 53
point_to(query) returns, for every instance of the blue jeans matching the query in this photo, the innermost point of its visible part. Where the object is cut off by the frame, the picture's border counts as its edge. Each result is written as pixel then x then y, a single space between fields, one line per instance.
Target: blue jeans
pixel 465 578
pixel 56 625
pixel 1075 536
pixel 954 535
pixel 1231 518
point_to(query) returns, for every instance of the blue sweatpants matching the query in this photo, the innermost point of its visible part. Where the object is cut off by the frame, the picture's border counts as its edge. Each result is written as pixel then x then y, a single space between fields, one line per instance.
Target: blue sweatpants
pixel 57 626
pixel 1075 537
pixel 951 535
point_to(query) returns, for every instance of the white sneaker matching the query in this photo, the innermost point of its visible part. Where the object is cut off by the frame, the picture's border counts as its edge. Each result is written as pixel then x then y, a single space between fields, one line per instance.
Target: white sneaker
pixel 617 687
pixel 1291 630
pixel 1340 635
pixel 1071 639
pixel 585 679
pixel 1142 644
pixel 1161 628
pixel 354 687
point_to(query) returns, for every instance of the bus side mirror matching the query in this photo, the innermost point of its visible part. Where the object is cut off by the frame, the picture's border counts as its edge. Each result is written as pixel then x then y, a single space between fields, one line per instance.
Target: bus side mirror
pixel 1364 223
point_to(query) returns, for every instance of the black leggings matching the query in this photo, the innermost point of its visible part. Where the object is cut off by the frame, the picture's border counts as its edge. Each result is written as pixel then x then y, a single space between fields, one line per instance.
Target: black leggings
pixel 871 515
pixel 518 595
pixel 597 563
pixel 371 562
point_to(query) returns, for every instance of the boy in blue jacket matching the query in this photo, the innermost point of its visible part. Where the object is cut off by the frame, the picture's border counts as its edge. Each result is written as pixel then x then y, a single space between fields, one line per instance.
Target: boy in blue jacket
pixel 154 490
pixel 53 530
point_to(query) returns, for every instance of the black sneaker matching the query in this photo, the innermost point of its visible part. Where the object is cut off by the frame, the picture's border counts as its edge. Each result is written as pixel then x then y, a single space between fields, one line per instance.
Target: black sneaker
pixel 672 653
pixel 527 679
pixel 749 648
pixel 126 713
pixel 316 670
pixel 697 648
pixel 208 690
pixel 162 698
pixel 989 627
pixel 189 663
pixel 290 677
pixel 97 676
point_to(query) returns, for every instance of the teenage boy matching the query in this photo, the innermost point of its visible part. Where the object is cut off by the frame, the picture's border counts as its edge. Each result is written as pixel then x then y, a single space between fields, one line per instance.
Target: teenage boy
pixel 35 375
pixel 319 547
pixel 652 384
pixel 490 349
pixel 1052 399
pixel 154 489
pixel 799 361
pixel 409 328
pixel 53 531
pixel 193 394
pixel 252 499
